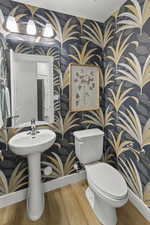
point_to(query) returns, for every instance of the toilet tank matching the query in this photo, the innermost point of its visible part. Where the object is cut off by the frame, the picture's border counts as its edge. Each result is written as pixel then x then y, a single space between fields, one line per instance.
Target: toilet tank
pixel 89 145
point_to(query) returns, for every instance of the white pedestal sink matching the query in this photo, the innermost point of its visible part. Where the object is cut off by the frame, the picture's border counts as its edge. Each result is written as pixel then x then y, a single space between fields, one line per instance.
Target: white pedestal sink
pixel 32 146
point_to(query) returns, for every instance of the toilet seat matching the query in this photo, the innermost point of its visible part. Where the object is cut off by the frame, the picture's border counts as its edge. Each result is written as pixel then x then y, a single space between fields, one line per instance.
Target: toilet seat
pixel 107 195
pixel 107 180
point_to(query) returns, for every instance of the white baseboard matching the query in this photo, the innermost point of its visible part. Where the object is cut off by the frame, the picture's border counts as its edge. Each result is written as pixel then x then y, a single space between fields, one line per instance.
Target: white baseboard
pixel 139 204
pixel 63 181
pixel 18 196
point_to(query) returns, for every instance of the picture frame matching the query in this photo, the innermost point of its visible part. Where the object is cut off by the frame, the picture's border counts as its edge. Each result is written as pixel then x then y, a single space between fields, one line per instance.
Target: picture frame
pixel 84 88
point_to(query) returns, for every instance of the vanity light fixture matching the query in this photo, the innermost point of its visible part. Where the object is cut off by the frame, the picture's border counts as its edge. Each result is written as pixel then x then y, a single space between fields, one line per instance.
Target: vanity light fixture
pixel 11 24
pixel 48 31
pixel 31 27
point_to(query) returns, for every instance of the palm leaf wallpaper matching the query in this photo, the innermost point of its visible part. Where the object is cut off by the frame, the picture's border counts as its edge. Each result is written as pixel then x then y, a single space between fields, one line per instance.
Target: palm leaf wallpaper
pixel 127 66
pixel 67 47
pixel 135 15
pixel 120 47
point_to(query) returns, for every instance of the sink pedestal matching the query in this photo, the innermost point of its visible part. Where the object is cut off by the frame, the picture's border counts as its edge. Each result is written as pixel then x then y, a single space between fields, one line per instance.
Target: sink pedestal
pixel 25 144
pixel 35 197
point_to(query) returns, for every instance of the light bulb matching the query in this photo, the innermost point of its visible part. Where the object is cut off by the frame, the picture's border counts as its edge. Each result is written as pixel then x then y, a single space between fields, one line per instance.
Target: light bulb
pixel 11 24
pixel 48 31
pixel 31 28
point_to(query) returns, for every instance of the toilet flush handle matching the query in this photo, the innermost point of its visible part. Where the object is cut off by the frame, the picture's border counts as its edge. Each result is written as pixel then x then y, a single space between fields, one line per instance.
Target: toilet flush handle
pixel 81 143
pixel 80 148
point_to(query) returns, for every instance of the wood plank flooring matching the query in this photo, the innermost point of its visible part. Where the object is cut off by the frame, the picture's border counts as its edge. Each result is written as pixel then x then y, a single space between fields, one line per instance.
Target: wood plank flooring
pixel 67 206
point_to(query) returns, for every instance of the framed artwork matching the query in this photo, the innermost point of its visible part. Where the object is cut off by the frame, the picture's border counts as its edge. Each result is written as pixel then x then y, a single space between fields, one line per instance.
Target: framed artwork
pixel 84 87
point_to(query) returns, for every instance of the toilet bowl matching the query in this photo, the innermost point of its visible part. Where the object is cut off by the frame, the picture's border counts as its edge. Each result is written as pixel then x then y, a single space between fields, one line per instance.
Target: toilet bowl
pixel 107 188
pixel 107 182
pixel 107 191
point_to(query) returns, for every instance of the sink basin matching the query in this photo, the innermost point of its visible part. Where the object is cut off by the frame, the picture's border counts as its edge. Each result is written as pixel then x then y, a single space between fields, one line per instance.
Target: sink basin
pixel 32 146
pixel 24 143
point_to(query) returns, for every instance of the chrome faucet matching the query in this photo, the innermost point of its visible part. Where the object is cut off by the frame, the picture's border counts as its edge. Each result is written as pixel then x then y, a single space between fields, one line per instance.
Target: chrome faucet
pixel 33 127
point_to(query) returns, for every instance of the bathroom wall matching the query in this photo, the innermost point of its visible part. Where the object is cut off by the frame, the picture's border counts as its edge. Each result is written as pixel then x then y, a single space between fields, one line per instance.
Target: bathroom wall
pixel 73 44
pixel 127 72
pixel 122 45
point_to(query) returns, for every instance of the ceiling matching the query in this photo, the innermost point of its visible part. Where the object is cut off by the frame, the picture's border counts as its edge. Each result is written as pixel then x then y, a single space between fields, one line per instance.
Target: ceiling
pixel 98 10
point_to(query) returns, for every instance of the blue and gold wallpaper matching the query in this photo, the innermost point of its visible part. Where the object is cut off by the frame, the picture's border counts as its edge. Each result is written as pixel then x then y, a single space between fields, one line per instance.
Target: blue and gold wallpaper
pixel 72 44
pixel 127 95
pixel 121 49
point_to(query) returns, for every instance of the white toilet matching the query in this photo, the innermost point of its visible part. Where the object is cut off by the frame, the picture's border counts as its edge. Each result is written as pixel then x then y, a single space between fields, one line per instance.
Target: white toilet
pixel 107 188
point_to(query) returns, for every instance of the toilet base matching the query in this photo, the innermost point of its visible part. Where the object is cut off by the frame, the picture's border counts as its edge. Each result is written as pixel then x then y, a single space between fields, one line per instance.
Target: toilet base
pixel 104 212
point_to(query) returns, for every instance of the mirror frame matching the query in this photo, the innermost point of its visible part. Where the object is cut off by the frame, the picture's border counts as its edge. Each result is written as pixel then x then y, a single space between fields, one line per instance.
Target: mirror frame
pixel 34 58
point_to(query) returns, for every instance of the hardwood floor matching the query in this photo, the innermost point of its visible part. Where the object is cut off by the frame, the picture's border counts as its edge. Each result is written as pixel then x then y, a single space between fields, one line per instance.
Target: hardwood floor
pixel 67 206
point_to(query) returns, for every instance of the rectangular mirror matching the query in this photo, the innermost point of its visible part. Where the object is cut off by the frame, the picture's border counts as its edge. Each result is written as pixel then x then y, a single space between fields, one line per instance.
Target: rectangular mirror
pixel 32 89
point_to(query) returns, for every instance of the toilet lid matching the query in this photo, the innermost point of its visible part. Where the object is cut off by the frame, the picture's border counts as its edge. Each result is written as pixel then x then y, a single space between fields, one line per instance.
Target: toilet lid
pixel 107 179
